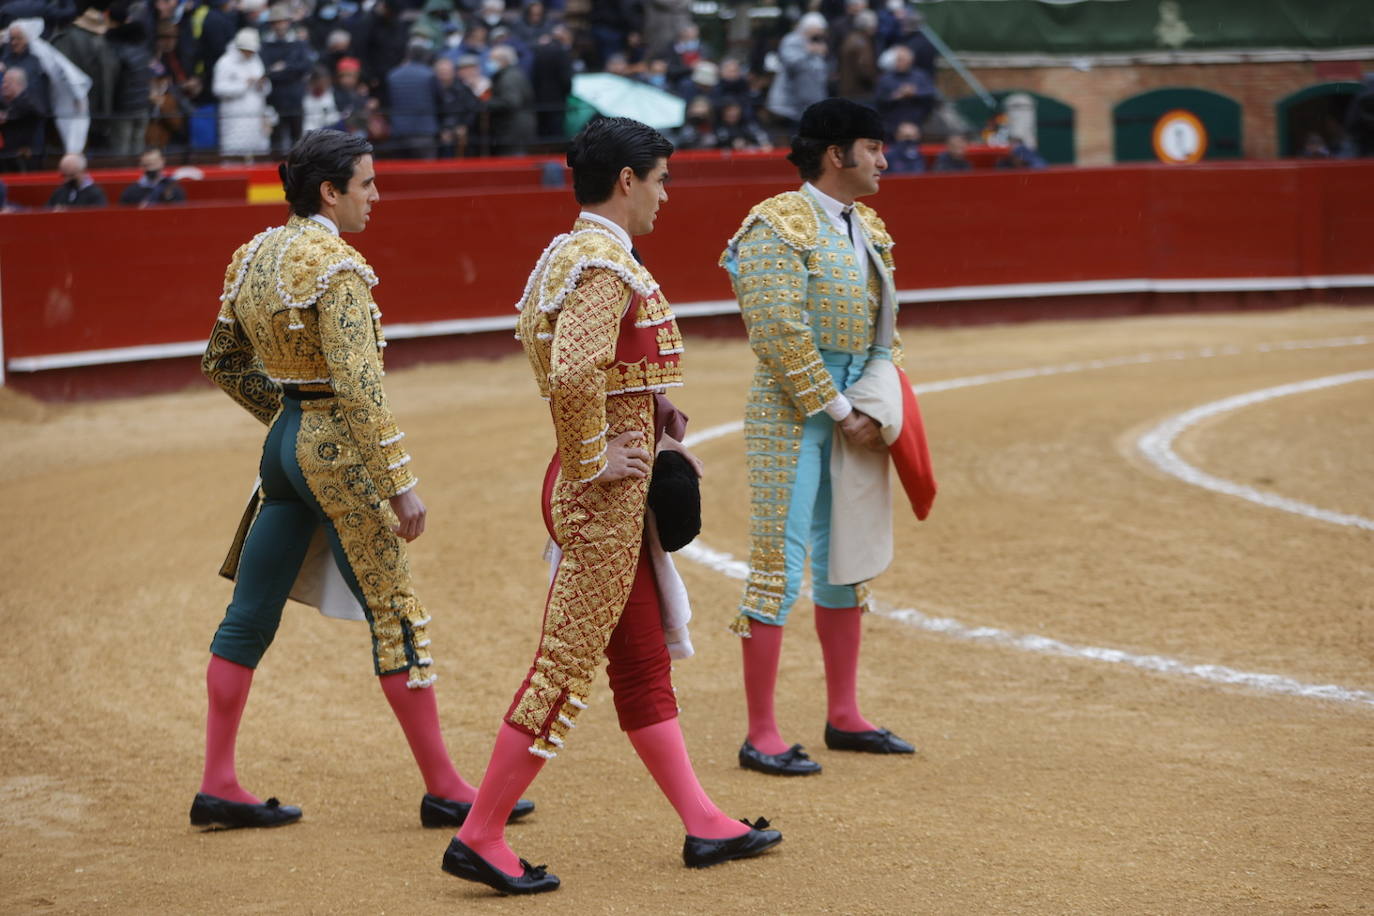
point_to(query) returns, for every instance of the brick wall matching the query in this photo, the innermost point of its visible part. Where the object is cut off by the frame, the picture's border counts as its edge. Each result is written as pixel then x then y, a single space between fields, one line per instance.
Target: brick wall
pixel 1093 93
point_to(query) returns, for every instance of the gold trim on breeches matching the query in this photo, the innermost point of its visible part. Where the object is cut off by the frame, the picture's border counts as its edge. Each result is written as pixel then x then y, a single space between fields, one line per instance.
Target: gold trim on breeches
pixel 334 470
pixel 600 529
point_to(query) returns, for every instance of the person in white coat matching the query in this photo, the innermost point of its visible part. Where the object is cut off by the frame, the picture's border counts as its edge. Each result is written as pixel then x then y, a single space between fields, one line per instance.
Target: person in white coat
pixel 68 87
pixel 241 86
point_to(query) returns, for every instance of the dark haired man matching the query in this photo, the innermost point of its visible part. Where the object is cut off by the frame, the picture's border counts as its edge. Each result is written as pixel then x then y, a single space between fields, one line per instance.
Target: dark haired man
pixel 812 272
pixel 604 346
pixel 154 186
pixel 298 343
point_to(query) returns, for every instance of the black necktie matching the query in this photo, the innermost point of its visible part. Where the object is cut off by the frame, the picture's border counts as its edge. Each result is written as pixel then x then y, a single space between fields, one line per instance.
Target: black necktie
pixel 634 253
pixel 848 212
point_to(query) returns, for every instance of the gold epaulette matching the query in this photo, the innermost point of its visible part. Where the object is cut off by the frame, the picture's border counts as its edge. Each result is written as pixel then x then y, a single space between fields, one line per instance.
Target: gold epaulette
pixel 311 260
pixel 559 268
pixel 874 226
pixel 790 214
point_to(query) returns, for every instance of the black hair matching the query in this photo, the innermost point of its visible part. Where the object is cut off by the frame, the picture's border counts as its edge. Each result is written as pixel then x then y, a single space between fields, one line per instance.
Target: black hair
pixel 807 155
pixel 607 145
pixel 319 156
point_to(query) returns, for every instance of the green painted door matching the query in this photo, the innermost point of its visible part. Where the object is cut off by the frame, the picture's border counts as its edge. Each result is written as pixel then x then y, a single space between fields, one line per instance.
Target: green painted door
pixel 1135 121
pixel 1318 109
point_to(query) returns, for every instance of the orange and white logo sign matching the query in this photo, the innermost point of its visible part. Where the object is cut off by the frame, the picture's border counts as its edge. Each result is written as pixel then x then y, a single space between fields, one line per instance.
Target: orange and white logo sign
pixel 1179 138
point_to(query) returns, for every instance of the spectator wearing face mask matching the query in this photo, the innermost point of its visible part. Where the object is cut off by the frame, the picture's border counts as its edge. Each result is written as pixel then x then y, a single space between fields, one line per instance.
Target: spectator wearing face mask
pixel 154 186
pixel 955 156
pixel 803 69
pixel 78 188
pixel 736 130
pixel 511 105
pixel 904 155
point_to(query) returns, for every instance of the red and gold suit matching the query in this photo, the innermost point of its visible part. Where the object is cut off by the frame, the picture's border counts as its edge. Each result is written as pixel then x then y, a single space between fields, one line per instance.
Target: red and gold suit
pixel 604 345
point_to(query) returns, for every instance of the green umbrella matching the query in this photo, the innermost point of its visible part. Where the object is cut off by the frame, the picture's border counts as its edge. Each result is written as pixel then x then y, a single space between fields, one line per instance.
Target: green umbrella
pixel 618 97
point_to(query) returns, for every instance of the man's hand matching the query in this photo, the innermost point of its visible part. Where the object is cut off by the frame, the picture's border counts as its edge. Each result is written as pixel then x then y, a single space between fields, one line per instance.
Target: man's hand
pixel 862 430
pixel 669 444
pixel 411 514
pixel 625 458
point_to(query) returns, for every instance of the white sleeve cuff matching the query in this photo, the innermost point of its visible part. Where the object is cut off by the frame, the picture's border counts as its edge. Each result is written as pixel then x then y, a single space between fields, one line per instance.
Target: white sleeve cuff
pixel 839 408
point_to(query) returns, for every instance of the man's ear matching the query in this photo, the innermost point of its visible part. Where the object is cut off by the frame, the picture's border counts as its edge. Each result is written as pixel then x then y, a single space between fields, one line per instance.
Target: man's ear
pixel 626 179
pixel 328 193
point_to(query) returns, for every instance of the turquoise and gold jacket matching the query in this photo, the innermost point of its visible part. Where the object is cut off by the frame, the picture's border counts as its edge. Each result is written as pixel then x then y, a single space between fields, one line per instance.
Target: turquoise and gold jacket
pixel 797 283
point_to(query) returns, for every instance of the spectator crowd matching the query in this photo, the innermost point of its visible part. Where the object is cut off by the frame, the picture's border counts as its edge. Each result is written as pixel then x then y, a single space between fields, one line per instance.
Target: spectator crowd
pixel 236 80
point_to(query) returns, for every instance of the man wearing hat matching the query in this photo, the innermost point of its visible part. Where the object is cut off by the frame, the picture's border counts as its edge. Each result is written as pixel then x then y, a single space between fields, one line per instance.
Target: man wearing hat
pixel 812 271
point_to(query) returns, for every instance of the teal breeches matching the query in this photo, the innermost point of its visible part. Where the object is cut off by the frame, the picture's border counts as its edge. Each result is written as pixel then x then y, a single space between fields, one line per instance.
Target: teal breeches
pixel 275 548
pixel 808 511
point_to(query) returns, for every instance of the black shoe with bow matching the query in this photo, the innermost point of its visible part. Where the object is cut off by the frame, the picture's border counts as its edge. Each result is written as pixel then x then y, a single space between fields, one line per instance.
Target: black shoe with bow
pixel 436 811
pixel 698 852
pixel 791 762
pixel 220 813
pixel 875 741
pixel 460 860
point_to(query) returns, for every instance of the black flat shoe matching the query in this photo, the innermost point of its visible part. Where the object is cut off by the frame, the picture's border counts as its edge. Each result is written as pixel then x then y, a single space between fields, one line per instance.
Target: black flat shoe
pixel 791 762
pixel 876 741
pixel 436 811
pixel 220 813
pixel 461 861
pixel 702 853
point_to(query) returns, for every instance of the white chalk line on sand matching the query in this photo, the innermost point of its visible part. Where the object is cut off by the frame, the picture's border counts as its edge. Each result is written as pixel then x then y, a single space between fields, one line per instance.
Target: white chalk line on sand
pixel 727 565
pixel 1157 446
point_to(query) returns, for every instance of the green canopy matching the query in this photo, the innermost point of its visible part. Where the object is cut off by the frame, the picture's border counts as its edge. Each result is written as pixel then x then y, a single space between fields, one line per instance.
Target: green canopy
pixel 1114 26
pixel 618 97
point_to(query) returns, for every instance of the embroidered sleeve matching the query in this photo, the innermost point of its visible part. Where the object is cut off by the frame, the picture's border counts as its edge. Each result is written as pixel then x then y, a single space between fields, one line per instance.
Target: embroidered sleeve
pixel 348 337
pixel 770 283
pixel 229 360
pixel 897 353
pixel 584 340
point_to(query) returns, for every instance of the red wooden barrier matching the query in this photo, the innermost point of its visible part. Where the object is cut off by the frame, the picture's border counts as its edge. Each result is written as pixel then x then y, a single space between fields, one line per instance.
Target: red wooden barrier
pixel 230 184
pixel 96 280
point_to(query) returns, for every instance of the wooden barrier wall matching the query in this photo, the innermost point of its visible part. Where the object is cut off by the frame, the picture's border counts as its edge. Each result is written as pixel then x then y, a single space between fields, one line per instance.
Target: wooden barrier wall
pixel 96 280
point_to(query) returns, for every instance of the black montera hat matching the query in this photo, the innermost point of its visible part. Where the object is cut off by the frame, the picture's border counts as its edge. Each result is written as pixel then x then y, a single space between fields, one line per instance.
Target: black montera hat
pixel 839 121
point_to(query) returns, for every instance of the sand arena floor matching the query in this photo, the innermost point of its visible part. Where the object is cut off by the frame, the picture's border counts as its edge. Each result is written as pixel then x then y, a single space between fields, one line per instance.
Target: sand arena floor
pixel 1053 777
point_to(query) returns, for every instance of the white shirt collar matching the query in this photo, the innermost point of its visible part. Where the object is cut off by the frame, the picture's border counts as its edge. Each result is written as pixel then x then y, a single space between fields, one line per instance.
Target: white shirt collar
pixel 326 222
pixel 836 210
pixel 616 228
pixel 832 207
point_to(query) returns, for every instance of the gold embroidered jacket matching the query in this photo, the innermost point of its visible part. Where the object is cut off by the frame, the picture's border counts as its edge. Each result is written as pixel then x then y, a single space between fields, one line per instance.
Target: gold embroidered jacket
pixel 799 291
pixel 308 319
pixel 582 284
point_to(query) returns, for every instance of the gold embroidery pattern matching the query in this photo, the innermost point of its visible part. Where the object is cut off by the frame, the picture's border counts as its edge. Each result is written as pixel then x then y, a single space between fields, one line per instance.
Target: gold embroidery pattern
pixel 297 309
pixel 571 365
pixel 569 334
pixel 333 468
pixel 771 288
pixel 231 364
pixel 772 435
pixel 600 527
pixel 792 217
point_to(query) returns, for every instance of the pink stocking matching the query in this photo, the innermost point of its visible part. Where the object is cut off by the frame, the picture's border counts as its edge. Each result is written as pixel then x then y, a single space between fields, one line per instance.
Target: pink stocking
pixel 226 684
pixel 664 753
pixel 762 649
pixel 418 713
pixel 840 632
pixel 509 774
